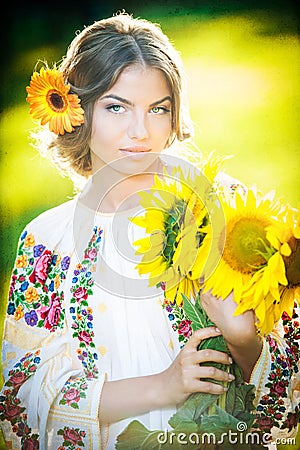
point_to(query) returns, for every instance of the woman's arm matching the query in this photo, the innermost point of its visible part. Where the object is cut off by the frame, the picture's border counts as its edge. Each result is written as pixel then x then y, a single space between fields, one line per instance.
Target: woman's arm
pixel 42 383
pixel 239 331
pixel 134 396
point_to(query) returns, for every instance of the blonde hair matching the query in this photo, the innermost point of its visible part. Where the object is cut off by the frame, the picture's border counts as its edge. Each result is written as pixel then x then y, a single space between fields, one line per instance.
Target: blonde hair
pixel 92 65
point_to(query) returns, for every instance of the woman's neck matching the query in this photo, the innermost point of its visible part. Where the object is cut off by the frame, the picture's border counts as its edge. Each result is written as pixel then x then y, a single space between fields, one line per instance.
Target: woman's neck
pixel 109 191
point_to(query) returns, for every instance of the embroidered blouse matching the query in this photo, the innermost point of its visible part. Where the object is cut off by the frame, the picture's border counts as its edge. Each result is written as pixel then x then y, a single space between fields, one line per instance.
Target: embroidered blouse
pixel 79 314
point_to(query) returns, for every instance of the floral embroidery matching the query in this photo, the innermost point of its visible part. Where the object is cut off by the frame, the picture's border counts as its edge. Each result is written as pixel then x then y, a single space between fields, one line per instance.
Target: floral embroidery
pixel 177 317
pixel 292 336
pixel 33 293
pixel 72 438
pixel 10 405
pixel 73 391
pixel 272 406
pixel 82 314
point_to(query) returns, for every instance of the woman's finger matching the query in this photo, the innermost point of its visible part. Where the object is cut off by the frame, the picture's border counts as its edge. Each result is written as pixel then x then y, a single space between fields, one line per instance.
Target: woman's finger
pixel 207 387
pixel 208 354
pixel 202 372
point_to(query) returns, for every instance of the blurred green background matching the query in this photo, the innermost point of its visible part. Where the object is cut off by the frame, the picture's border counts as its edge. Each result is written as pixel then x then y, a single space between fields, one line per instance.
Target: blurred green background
pixel 242 61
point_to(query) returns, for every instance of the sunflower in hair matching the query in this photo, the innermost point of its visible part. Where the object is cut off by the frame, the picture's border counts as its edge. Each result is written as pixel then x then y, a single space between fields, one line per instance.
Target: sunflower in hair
pixel 50 101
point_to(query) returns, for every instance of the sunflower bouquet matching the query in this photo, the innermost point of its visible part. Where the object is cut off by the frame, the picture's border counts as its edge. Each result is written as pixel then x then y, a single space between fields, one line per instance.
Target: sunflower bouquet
pixel 235 241
pixel 232 239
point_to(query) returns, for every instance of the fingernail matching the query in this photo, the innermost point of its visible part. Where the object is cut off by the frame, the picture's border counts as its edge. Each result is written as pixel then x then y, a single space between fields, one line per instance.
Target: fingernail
pixel 217 330
pixel 230 360
pixel 225 389
pixel 231 377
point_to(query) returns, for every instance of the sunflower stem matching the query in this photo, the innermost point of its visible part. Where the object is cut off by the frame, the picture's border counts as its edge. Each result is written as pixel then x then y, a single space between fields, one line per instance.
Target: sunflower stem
pixel 222 398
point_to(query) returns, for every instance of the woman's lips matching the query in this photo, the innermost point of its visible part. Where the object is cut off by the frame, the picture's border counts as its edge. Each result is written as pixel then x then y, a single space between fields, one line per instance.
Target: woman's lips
pixel 135 152
pixel 135 149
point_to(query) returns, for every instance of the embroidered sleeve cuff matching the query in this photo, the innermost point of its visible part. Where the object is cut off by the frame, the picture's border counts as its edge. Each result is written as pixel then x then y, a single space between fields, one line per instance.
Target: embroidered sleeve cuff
pixel 260 369
pixel 75 414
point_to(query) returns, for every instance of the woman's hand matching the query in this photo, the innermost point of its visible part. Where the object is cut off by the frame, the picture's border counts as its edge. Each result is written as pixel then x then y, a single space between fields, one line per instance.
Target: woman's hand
pixel 239 331
pixel 185 375
pixel 134 396
pixel 235 329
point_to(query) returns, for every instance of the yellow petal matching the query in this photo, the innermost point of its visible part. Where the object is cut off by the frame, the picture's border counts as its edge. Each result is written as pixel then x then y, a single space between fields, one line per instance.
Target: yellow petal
pixel 297 232
pixel 285 249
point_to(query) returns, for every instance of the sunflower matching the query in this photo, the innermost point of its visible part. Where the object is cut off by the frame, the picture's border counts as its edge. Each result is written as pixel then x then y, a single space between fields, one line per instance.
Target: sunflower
pixel 273 289
pixel 243 242
pixel 50 101
pixel 176 221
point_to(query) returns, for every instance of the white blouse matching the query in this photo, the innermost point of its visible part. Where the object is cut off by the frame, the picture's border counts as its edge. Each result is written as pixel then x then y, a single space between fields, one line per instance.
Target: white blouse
pixel 79 314
pixel 134 335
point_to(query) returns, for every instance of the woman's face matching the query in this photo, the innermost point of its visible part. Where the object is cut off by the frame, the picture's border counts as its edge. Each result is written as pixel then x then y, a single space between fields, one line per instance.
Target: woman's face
pixel 131 121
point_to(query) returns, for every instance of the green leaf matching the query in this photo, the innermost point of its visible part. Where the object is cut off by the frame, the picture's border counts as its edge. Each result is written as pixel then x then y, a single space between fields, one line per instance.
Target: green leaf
pixel 192 313
pixel 202 312
pixel 74 405
pixel 216 343
pixel 218 423
pixel 230 397
pixel 192 409
pixel 138 437
pixel 244 398
pixel 186 426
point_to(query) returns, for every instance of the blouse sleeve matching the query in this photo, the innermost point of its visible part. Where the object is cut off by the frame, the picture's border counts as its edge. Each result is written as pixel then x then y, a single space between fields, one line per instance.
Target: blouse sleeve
pixel 47 401
pixel 276 376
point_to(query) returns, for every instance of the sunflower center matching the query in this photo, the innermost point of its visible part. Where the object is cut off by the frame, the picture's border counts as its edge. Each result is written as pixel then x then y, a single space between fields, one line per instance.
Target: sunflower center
pixel 292 263
pixel 245 244
pixel 56 101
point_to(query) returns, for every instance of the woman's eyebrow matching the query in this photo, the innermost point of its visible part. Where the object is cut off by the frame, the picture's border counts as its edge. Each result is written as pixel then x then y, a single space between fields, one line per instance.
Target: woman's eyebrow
pixel 116 97
pixel 128 102
pixel 162 100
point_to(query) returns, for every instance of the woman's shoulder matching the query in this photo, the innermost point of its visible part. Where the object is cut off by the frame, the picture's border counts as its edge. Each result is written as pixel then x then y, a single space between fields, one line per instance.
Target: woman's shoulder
pixel 57 213
pixel 229 182
pixel 54 225
pixel 183 159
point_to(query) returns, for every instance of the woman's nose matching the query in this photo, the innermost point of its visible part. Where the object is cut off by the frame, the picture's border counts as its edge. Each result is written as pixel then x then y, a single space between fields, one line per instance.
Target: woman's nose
pixel 137 128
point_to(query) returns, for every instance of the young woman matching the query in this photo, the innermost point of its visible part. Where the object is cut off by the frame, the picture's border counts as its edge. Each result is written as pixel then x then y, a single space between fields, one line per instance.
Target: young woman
pixel 87 345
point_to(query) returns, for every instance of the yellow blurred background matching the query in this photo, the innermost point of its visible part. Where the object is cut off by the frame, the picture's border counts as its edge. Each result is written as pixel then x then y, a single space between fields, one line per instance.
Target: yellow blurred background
pixel 243 72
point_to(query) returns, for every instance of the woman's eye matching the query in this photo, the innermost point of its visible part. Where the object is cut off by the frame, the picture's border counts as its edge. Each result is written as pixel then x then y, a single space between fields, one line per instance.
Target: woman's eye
pixel 159 110
pixel 117 109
